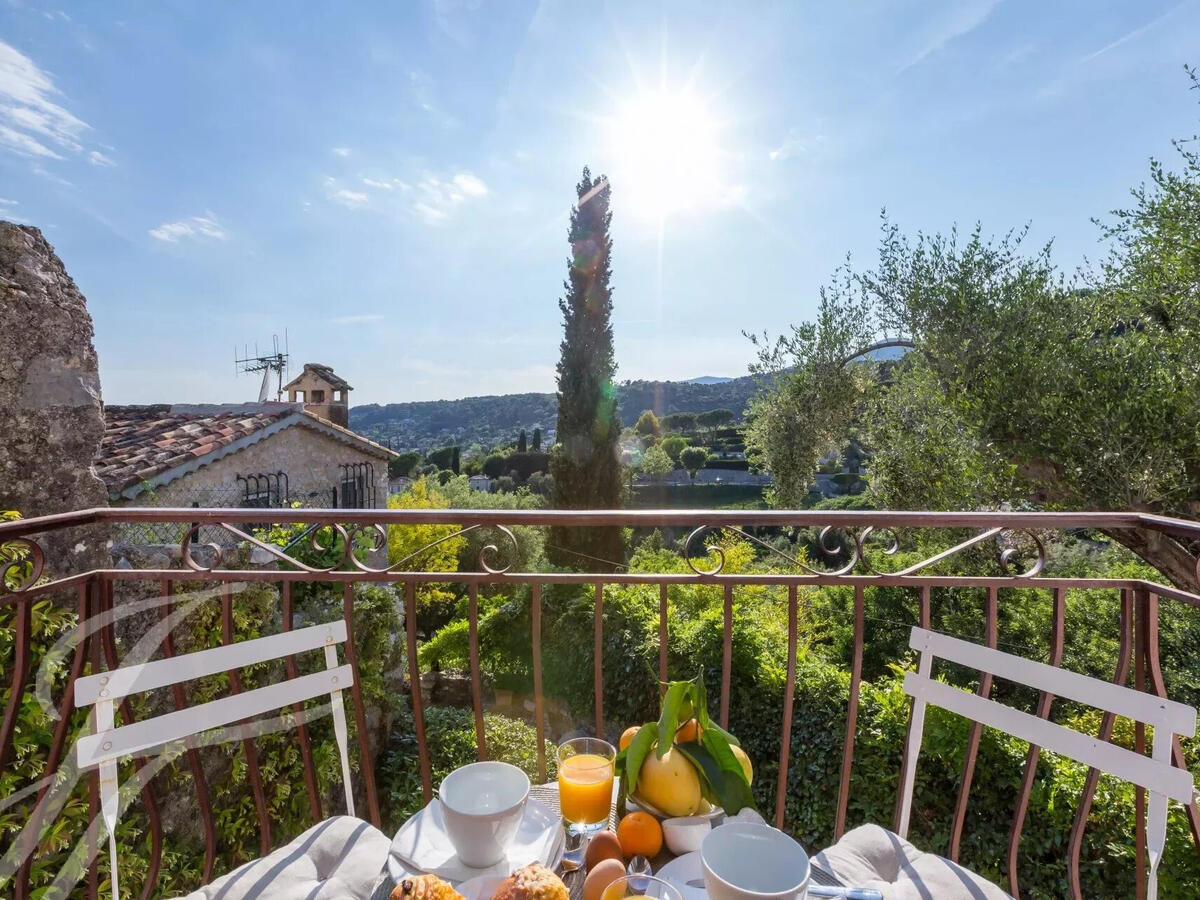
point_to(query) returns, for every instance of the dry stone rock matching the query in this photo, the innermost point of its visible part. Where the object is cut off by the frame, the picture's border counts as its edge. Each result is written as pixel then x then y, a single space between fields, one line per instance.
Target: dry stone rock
pixel 51 419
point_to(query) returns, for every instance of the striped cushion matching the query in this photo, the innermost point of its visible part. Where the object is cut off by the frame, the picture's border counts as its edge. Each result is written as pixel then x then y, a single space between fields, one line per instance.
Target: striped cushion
pixel 873 857
pixel 341 857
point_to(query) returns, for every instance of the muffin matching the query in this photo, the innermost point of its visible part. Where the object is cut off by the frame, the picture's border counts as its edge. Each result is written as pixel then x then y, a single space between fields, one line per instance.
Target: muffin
pixel 533 882
pixel 425 887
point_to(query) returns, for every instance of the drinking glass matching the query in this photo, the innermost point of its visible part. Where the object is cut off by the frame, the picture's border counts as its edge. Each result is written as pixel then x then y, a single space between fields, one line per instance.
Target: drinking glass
pixel 640 887
pixel 585 782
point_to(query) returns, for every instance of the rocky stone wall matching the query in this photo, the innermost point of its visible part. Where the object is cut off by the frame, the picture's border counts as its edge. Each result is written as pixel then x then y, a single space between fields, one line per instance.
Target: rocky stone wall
pixel 51 419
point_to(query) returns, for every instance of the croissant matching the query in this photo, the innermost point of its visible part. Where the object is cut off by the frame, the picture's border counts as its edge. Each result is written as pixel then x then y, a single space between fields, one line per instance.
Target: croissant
pixel 424 887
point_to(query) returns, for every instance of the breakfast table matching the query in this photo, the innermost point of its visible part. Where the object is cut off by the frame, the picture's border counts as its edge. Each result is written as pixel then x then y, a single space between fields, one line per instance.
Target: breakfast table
pixel 547 794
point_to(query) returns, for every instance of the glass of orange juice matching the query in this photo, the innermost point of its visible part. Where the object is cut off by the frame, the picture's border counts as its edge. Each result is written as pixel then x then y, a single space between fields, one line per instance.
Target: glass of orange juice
pixel 585 783
pixel 640 887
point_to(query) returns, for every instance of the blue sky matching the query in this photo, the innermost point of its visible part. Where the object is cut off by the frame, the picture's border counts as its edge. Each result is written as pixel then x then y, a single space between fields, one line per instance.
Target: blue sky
pixel 390 181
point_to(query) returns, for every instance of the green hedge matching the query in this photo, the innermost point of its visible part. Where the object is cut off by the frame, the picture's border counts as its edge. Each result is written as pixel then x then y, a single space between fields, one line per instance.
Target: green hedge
pixel 450 735
pixel 694 496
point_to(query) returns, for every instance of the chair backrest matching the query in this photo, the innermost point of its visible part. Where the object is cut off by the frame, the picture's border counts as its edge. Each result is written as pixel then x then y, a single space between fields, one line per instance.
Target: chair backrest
pixel 1154 773
pixel 107 743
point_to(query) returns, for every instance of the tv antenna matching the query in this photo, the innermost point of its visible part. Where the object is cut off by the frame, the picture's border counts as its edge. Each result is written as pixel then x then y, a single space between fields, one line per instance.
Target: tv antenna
pixel 275 361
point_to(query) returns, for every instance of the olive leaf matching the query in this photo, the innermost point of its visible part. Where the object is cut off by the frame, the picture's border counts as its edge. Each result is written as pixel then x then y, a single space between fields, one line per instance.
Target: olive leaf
pixel 629 760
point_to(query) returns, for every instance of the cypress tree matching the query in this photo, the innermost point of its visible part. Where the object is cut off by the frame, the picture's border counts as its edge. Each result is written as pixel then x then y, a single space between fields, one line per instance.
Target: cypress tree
pixel 584 462
pixel 537 440
pixel 521 442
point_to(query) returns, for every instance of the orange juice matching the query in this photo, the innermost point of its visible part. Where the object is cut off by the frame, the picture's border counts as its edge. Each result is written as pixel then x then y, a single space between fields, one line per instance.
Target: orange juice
pixel 585 788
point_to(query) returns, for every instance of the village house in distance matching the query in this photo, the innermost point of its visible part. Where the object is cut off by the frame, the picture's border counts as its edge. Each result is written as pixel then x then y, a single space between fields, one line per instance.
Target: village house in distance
pixel 266 454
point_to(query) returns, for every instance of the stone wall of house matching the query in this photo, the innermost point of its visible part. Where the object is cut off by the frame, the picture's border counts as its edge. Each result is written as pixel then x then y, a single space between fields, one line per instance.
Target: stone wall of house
pixel 311 459
pixel 50 417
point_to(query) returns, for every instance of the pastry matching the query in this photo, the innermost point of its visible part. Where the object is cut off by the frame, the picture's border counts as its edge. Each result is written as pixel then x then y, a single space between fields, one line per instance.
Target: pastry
pixel 425 887
pixel 532 882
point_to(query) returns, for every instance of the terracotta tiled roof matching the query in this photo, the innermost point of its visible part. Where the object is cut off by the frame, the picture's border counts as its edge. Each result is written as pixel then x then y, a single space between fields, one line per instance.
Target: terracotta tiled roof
pixel 143 441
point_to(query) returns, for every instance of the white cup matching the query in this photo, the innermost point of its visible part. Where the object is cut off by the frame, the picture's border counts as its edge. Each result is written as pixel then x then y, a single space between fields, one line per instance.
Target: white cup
pixel 747 861
pixel 482 805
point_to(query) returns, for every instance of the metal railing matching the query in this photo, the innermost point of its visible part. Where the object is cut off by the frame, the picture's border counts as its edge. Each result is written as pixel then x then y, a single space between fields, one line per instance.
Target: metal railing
pixel 858 542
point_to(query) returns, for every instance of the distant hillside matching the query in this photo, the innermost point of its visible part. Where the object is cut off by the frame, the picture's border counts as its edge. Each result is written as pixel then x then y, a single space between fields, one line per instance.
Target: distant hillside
pixel 496 420
pixel 708 379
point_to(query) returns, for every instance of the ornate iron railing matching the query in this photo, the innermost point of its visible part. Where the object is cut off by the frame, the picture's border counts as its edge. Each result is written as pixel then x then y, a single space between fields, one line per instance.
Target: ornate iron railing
pixel 856 546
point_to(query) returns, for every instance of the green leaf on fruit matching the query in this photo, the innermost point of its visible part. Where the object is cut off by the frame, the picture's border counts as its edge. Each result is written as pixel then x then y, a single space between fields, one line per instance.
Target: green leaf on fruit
pixel 635 754
pixel 668 722
pixel 719 784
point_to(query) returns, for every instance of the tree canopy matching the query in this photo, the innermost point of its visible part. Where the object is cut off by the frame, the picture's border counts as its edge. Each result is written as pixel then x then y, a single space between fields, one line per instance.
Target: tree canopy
pixel 1023 386
pixel 585 462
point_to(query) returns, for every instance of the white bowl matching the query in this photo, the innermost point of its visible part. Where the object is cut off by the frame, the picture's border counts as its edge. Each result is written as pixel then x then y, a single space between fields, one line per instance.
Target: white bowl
pixel 744 861
pixel 482 804
pixel 684 834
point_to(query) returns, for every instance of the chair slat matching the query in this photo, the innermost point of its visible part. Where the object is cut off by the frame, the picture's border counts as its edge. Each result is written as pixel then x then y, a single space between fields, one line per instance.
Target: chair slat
pixel 129 739
pixel 1136 705
pixel 135 679
pixel 1151 774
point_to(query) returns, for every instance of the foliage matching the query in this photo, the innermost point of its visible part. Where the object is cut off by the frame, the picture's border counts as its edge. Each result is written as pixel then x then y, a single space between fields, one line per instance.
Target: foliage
pixel 655 463
pixel 693 459
pixel 445 458
pixel 1023 387
pixel 584 462
pixel 537 440
pixel 673 445
pixel 450 734
pixel 522 442
pixel 403 465
pixel 680 421
pixel 647 424
pixel 429 548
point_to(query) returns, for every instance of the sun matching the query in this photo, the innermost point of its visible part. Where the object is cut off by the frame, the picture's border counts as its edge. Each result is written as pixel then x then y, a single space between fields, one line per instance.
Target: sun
pixel 666 153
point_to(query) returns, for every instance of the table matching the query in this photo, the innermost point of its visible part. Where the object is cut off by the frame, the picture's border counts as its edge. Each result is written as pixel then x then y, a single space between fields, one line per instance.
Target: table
pixel 548 794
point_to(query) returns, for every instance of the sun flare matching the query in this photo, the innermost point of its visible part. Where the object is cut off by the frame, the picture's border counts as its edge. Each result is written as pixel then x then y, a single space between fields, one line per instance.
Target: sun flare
pixel 666 153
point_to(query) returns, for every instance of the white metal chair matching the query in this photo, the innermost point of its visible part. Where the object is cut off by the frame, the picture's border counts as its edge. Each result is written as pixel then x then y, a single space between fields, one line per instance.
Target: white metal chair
pixel 1155 773
pixel 107 744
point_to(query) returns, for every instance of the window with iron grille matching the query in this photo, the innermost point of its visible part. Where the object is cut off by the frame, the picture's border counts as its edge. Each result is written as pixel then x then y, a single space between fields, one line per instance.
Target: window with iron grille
pixel 264 490
pixel 358 486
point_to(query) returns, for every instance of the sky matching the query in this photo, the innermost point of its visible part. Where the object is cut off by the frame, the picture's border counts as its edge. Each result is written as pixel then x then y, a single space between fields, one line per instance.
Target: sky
pixel 390 182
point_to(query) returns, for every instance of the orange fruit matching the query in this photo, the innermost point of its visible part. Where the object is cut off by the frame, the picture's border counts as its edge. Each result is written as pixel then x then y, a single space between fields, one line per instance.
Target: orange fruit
pixel 627 736
pixel 688 731
pixel 640 833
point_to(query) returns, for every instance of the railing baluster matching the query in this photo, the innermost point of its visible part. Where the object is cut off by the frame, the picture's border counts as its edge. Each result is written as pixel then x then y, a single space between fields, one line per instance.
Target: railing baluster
pixel 366 764
pixel 843 801
pixel 1121 675
pixel 536 615
pixel 306 757
pixel 22 634
pixel 1045 701
pixel 476 678
pixel 252 770
pixel 662 641
pixel 976 732
pixel 1139 742
pixel 726 655
pixel 598 658
pixel 66 707
pixel 414 682
pixel 789 696
pixel 1154 668
pixel 109 645
pixel 199 781
pixel 93 828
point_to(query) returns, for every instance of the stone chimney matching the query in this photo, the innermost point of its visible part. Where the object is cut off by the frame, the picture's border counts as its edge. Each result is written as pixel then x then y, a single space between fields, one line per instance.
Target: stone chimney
pixel 322 392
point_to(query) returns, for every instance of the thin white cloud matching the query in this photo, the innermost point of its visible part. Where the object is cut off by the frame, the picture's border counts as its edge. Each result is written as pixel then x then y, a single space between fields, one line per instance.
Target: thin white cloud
pixel 391 184
pixel 31 122
pixel 438 197
pixel 353 199
pixel 340 151
pixel 4 202
pixel 1129 36
pixel 356 320
pixel 96 158
pixel 196 227
pixel 960 19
